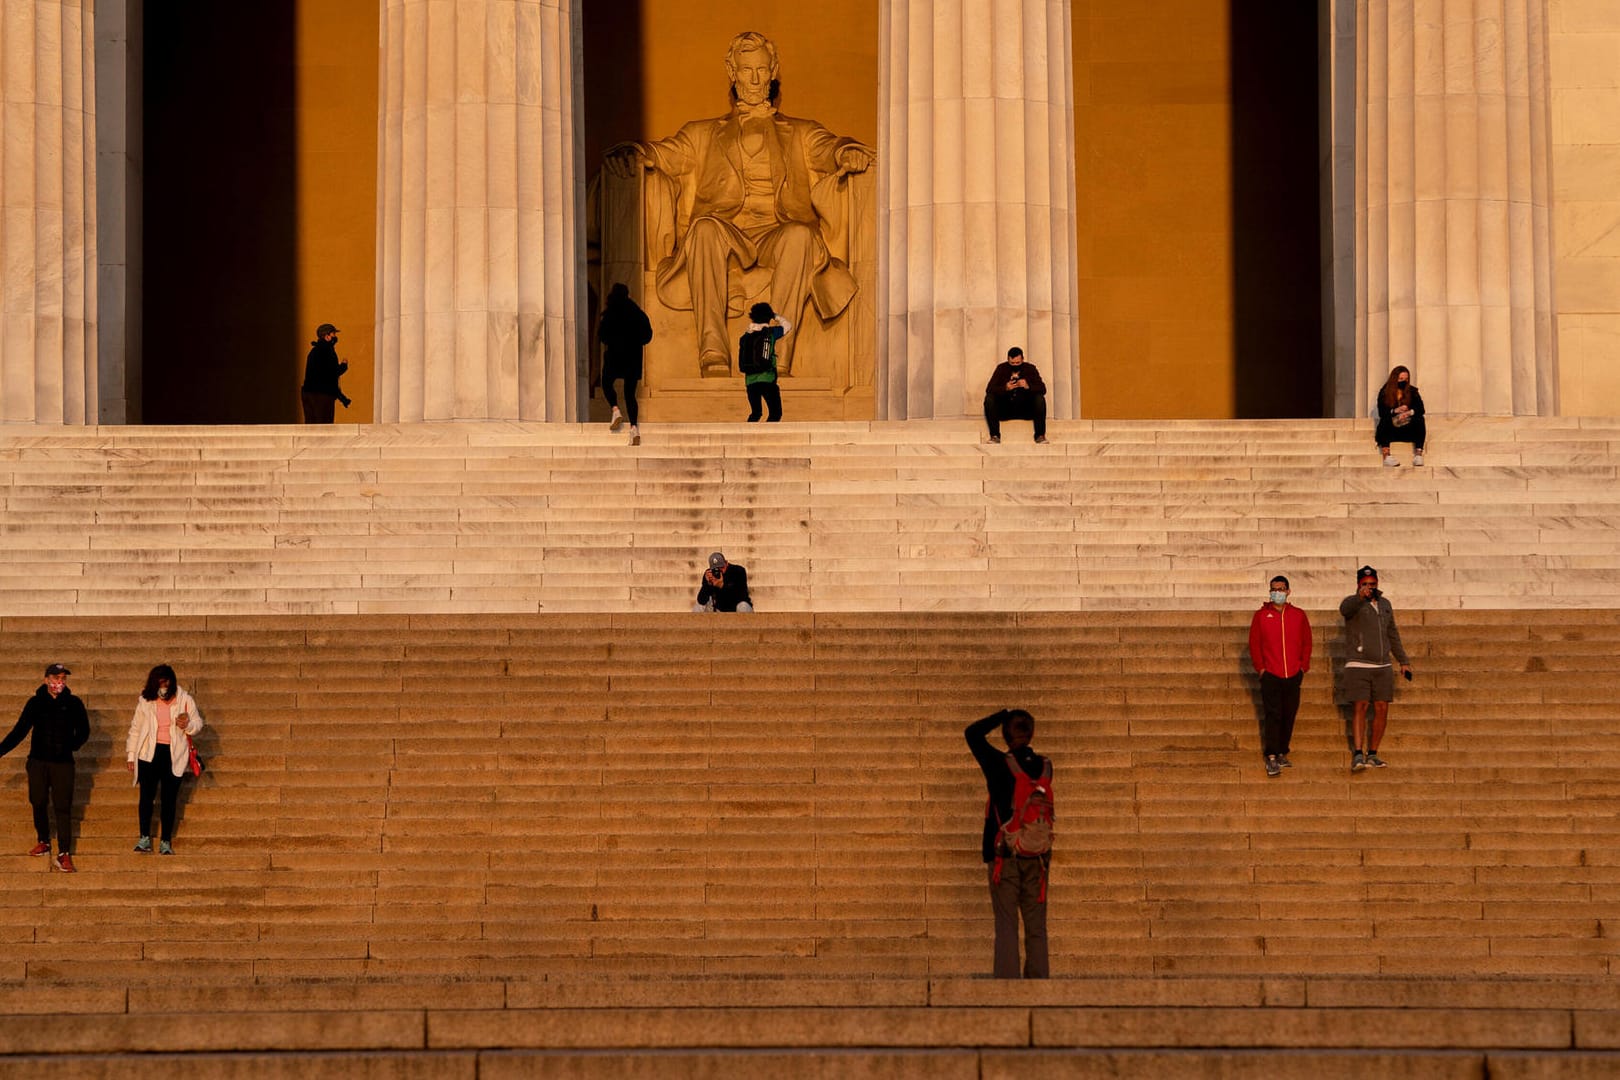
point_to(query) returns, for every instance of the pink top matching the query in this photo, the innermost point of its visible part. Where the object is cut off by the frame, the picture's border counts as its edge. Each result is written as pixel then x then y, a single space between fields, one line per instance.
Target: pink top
pixel 163 722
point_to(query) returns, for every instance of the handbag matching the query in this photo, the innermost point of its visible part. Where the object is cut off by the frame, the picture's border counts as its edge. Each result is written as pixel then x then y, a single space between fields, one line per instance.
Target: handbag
pixel 195 766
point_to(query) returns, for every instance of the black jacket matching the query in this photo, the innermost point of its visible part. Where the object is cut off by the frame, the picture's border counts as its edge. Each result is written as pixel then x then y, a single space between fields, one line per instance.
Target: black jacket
pixel 322 368
pixel 60 726
pixel 732 591
pixel 1000 782
pixel 623 331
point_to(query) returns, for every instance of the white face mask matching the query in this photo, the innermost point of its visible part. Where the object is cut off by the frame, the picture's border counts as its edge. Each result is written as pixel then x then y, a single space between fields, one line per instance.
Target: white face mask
pixel 1279 597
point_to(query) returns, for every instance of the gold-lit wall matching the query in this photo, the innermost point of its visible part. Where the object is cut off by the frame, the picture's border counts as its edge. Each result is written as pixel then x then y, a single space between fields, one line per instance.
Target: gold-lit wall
pixel 1584 71
pixel 1195 175
pixel 336 84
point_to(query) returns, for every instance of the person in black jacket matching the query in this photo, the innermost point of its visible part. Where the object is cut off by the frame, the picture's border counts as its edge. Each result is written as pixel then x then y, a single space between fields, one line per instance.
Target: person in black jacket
pixel 724 587
pixel 1015 392
pixel 321 370
pixel 624 331
pixel 1400 417
pixel 1020 887
pixel 60 727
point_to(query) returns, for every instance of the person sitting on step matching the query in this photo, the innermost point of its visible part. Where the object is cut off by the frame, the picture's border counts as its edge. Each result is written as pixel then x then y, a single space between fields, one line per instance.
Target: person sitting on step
pixel 1015 392
pixel 1400 417
pixel 724 587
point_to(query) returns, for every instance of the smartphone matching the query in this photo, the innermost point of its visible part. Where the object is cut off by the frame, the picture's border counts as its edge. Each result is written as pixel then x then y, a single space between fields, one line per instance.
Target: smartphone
pixel 1407 675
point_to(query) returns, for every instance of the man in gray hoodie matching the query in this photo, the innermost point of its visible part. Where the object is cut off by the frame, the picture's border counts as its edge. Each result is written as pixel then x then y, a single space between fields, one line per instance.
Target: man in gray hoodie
pixel 1370 637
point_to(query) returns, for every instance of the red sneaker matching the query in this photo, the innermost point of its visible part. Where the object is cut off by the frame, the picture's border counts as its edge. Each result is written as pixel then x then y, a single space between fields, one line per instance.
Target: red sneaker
pixel 64 863
pixel 41 848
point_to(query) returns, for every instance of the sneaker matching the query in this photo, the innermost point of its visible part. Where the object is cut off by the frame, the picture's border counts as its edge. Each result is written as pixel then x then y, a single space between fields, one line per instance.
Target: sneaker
pixel 1391 463
pixel 1040 438
pixel 164 848
pixel 995 438
pixel 41 848
pixel 635 435
pixel 1282 759
pixel 613 424
pixel 143 846
pixel 1358 761
pixel 1272 767
pixel 1417 458
pixel 64 863
pixel 1376 762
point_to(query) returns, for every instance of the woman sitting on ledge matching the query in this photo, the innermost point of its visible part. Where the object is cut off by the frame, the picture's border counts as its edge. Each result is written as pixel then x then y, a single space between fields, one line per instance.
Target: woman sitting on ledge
pixel 1400 416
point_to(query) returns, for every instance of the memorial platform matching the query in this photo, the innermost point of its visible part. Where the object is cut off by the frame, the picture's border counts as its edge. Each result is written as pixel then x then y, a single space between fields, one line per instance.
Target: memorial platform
pixel 559 826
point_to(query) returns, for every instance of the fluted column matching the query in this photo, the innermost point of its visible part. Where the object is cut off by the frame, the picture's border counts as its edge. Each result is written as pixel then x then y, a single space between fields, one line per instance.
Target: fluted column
pixel 1452 220
pixel 479 209
pixel 48 203
pixel 977 231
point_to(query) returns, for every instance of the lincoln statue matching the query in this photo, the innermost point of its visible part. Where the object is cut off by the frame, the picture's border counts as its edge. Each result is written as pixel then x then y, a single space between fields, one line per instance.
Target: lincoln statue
pixel 749 191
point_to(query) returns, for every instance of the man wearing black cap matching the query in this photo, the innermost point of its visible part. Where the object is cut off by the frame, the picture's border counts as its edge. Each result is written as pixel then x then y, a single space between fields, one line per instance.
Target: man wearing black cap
pixel 60 726
pixel 321 370
pixel 724 587
pixel 1370 637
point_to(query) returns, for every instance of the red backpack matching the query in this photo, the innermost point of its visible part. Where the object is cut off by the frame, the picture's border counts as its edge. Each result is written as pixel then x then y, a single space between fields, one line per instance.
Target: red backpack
pixel 1028 833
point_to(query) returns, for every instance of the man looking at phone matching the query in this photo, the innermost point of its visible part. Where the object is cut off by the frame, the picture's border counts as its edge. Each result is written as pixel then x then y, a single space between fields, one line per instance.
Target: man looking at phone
pixel 1015 392
pixel 1370 637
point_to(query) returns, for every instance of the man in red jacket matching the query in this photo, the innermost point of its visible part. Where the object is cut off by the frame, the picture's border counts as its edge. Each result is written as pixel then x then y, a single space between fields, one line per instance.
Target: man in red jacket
pixel 1280 649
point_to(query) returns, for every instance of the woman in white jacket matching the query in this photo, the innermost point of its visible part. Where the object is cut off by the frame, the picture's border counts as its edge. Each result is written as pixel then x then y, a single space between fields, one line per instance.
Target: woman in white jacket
pixel 159 750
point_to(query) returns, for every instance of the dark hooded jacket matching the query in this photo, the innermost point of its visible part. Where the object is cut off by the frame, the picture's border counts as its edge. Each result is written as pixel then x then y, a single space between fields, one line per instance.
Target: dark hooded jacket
pixel 60 726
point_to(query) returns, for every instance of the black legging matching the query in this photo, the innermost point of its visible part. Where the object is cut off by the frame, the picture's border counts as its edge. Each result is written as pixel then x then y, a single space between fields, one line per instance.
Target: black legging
pixel 629 396
pixel 155 774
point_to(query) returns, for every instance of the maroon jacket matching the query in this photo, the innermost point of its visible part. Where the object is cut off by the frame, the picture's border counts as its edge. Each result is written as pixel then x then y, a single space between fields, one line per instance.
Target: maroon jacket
pixel 997 386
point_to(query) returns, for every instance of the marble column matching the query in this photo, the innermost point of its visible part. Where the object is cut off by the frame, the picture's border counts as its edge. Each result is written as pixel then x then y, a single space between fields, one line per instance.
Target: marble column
pixel 47 212
pixel 479 206
pixel 977 231
pixel 1452 182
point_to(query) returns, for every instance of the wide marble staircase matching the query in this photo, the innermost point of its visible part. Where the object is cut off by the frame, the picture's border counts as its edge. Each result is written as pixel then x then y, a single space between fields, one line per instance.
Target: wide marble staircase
pixel 518 814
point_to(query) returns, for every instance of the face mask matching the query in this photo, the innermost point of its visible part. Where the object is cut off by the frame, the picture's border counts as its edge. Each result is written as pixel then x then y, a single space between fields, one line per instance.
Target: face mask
pixel 1402 384
pixel 1278 597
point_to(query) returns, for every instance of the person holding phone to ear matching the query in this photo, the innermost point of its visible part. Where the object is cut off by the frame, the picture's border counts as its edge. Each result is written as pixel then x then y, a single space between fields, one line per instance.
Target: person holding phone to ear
pixel 1371 636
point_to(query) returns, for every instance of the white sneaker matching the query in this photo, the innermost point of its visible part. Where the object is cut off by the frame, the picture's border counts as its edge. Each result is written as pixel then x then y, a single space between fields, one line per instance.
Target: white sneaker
pixel 1391 463
pixel 635 435
pixel 1417 458
pixel 613 424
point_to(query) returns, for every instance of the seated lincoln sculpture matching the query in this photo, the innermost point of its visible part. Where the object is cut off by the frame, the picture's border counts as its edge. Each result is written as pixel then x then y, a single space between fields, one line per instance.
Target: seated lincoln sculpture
pixel 750 188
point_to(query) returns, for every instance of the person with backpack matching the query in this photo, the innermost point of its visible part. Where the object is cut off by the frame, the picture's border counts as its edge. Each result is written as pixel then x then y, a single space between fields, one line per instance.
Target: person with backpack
pixel 756 359
pixel 1017 845
pixel 624 332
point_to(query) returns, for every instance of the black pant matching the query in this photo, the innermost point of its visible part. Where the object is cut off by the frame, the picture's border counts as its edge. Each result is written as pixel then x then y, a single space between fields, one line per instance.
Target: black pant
pixel 318 408
pixel 1280 699
pixel 770 394
pixel 629 396
pixel 50 785
pixel 1415 432
pixel 1015 407
pixel 155 774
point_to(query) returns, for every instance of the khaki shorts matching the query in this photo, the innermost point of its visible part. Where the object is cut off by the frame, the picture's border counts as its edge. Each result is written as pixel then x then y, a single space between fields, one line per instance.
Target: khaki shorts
pixel 1367 684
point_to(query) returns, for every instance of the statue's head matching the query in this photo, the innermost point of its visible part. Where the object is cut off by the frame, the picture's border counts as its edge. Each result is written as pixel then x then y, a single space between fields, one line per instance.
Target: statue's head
pixel 751 65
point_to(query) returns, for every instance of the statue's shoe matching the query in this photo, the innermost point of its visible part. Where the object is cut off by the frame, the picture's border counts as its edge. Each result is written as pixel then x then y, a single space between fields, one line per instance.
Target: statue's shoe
pixel 715 365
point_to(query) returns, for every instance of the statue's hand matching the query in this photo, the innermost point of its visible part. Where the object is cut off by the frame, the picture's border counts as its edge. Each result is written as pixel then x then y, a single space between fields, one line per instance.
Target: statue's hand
pixel 625 159
pixel 854 159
